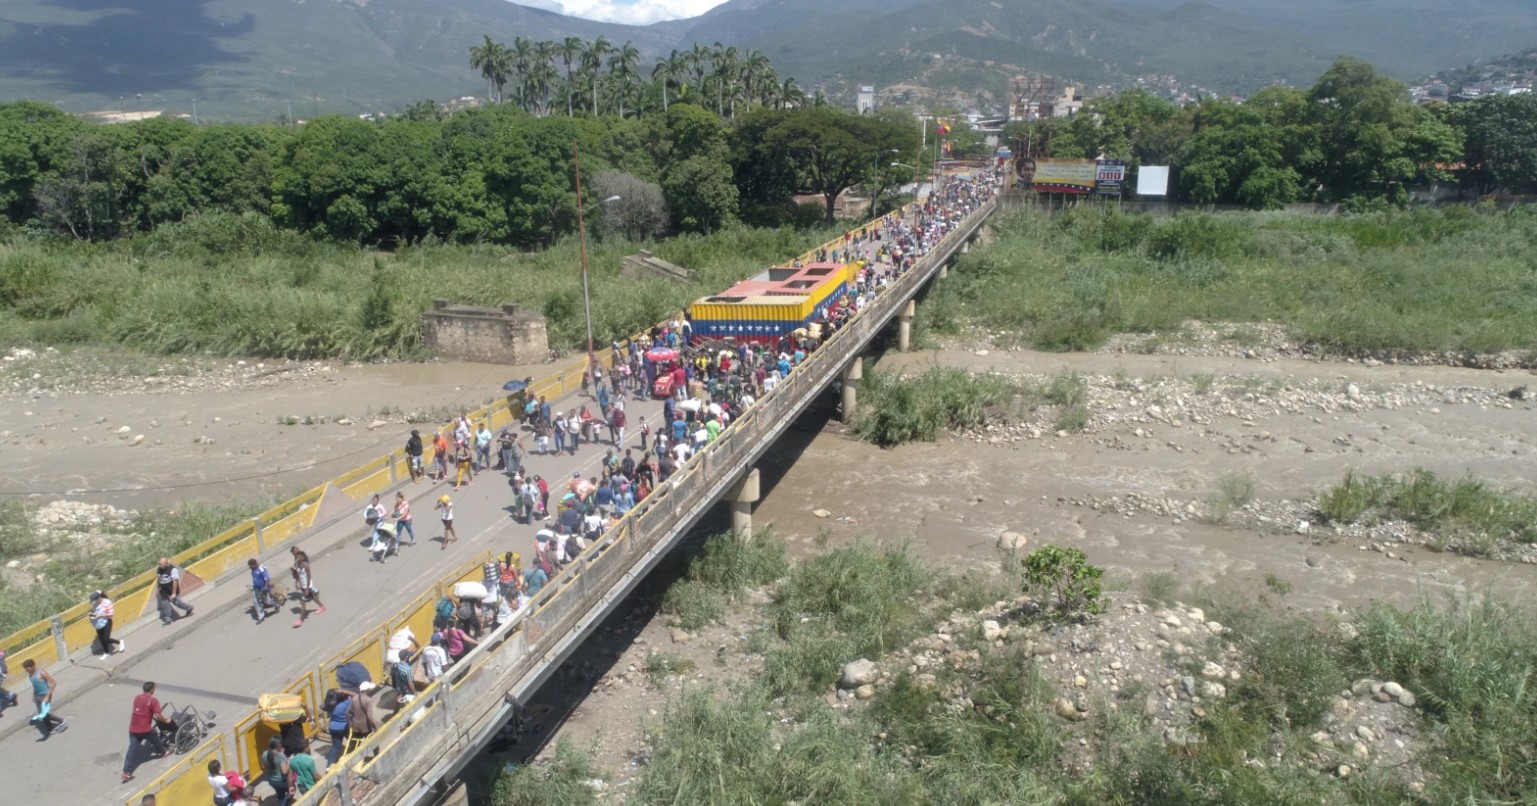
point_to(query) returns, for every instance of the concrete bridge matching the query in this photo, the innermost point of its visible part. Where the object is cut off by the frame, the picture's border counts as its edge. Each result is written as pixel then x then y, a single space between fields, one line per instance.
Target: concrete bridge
pixel 432 739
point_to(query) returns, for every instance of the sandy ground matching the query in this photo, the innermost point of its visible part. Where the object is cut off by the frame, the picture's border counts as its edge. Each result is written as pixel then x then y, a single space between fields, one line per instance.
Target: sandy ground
pixel 220 433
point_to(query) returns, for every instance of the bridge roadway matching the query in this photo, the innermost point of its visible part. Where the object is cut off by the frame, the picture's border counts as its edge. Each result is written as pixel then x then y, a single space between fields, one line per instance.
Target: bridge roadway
pixel 220 660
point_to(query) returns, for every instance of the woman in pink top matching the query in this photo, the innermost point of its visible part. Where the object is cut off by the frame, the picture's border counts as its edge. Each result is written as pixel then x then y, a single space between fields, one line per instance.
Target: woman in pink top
pixel 102 612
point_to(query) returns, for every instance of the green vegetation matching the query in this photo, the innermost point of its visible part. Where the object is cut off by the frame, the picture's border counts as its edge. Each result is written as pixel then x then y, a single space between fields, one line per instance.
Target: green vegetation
pixel 1453 279
pixel 1066 574
pixel 847 603
pixel 1234 490
pixel 984 731
pixel 75 566
pixel 1464 512
pixel 275 293
pixel 563 781
pixel 728 567
pixel 894 409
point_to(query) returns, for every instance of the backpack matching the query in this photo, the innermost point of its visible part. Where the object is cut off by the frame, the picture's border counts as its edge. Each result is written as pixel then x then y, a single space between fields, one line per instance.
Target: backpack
pixel 445 608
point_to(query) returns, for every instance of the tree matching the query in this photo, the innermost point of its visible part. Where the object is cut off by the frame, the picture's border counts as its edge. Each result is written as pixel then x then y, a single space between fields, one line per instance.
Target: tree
pixel 625 65
pixel 1372 139
pixel 487 58
pixel 701 194
pixel 570 50
pixel 641 210
pixel 1499 143
pixel 834 149
pixel 668 71
pixel 592 62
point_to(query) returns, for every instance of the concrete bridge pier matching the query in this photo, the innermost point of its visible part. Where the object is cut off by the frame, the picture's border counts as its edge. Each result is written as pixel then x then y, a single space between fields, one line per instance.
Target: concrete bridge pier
pixel 742 496
pixel 944 271
pixel 905 325
pixel 850 378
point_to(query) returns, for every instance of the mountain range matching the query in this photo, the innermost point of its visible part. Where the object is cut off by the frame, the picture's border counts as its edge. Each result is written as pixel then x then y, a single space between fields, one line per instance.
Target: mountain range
pixel 257 59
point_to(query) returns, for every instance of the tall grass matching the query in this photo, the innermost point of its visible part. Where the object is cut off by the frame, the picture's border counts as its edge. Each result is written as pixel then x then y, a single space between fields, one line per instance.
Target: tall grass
pixel 1477 517
pixel 1419 280
pixel 233 285
pixel 727 568
pixel 985 733
pixel 845 604
pixel 895 409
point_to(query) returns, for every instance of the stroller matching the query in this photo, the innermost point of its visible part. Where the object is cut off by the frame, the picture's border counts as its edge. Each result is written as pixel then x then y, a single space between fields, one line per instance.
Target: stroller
pixel 385 541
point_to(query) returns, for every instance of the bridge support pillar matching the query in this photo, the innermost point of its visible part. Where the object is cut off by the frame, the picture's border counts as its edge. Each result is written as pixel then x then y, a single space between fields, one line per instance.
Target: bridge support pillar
pixel 965 246
pixel 851 376
pixel 905 325
pixel 742 496
pixel 944 271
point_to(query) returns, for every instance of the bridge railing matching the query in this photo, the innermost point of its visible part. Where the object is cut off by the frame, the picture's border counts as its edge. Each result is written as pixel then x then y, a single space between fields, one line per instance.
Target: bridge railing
pixel 461 708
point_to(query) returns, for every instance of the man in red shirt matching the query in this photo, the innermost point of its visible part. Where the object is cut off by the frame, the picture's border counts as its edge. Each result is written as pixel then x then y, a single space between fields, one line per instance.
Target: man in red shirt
pixel 141 729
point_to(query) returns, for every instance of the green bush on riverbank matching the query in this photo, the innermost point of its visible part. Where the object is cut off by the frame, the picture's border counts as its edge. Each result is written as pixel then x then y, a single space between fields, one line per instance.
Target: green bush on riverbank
pixel 1419 280
pixel 237 285
pixel 1465 512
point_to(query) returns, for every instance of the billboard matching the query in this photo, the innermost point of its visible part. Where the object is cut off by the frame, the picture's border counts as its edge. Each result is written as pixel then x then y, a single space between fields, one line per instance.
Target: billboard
pixel 1109 176
pixel 1153 180
pixel 1055 176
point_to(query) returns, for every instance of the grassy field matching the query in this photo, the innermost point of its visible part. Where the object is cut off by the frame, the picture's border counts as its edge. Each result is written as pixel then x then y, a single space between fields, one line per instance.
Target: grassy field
pixel 232 285
pixel 1454 279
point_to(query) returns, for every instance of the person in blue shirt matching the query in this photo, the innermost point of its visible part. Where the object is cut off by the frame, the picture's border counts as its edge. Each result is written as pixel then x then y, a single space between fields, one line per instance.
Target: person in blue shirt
pixel 261 588
pixel 679 430
pixel 338 726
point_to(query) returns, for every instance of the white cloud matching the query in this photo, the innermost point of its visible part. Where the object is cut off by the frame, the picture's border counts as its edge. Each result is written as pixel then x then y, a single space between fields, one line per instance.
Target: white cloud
pixel 632 12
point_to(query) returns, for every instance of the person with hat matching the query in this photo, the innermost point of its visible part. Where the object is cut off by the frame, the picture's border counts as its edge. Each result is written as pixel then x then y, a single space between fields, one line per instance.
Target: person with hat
pixel 102 611
pixel 446 504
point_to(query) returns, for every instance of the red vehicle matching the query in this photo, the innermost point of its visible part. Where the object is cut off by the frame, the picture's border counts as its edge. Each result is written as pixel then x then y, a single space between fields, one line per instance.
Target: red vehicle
pixel 666 362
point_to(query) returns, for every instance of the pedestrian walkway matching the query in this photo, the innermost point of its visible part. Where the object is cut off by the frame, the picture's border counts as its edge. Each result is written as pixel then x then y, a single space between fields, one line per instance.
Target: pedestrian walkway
pixel 221 660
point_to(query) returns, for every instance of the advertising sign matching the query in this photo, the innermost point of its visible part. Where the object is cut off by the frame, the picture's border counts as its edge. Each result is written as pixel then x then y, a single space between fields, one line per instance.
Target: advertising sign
pixel 1109 175
pixel 1063 176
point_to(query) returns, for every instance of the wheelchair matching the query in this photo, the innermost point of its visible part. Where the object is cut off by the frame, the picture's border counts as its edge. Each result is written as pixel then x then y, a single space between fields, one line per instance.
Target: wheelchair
pixel 187 728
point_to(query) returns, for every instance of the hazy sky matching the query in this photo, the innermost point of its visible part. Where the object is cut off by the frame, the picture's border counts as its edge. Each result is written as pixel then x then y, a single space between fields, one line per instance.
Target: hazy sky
pixel 634 12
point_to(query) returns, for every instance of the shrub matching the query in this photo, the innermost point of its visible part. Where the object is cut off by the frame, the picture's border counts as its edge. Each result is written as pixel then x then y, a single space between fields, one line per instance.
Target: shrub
pixel 1066 573
pixel 1234 491
pixel 895 409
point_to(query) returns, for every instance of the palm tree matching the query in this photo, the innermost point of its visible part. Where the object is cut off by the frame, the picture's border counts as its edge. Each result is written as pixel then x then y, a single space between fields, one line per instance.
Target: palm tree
pixel 624 65
pixel 542 75
pixel 699 64
pixel 485 57
pixel 570 50
pixel 725 63
pixel 662 74
pixel 592 62
pixel 756 68
pixel 790 95
pixel 522 58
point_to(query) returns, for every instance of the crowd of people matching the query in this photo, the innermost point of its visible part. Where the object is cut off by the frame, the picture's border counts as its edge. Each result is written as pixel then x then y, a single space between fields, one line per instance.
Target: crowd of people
pixel 708 384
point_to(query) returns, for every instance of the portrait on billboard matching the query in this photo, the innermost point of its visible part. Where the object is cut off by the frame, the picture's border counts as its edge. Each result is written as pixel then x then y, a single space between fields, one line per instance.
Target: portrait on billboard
pixel 1024 170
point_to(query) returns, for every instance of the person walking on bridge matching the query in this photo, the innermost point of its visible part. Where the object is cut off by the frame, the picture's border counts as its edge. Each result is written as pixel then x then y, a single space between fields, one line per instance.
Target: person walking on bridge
pixel 304 580
pixel 43 689
pixel 141 729
pixel 168 591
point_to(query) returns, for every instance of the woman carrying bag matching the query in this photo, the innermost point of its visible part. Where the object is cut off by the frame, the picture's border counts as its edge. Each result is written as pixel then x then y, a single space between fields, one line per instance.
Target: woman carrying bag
pixel 102 612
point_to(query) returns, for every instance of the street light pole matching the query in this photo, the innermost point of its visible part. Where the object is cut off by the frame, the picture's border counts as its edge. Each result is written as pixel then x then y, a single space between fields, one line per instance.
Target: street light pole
pixel 581 239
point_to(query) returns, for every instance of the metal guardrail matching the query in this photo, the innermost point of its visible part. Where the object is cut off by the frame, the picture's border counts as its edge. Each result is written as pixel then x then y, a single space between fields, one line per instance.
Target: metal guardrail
pixel 433 737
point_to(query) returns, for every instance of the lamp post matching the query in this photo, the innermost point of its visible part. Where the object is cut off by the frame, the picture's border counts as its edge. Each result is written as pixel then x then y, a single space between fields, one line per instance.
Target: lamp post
pixel 915 188
pixel 581 239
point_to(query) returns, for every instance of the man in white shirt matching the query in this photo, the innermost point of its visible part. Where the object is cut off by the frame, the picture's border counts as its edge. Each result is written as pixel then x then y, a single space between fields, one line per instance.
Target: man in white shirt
pixel 434 658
